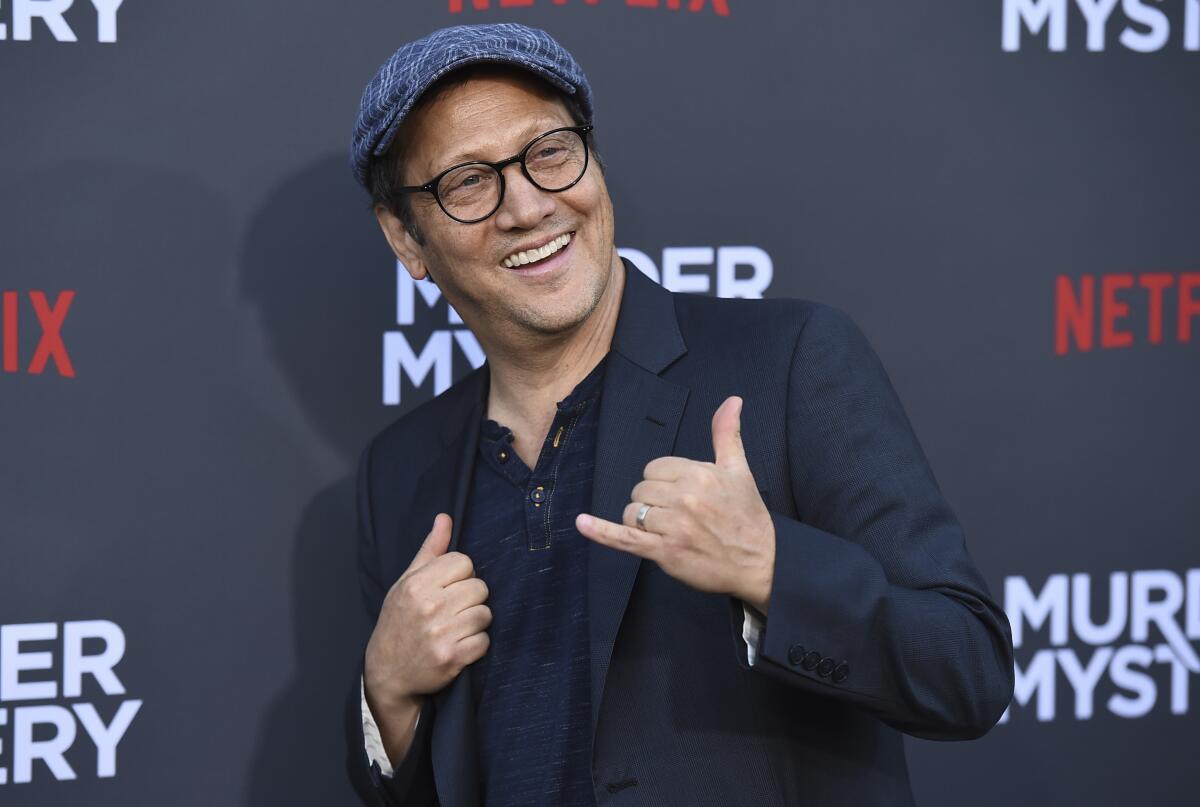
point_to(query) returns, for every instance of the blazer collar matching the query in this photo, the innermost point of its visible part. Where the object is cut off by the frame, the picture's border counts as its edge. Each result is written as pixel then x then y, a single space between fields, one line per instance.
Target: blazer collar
pixel 647 331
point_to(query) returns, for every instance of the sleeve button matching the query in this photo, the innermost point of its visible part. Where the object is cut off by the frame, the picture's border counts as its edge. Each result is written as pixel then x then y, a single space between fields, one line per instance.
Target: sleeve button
pixel 811 660
pixel 825 667
pixel 796 654
pixel 841 672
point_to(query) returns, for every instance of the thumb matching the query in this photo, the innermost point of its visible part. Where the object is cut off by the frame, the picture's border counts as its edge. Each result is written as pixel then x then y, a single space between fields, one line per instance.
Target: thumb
pixel 436 542
pixel 727 433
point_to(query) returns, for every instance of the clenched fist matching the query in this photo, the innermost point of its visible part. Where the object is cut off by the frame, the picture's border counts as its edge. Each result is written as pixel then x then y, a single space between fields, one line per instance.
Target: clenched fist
pixel 431 626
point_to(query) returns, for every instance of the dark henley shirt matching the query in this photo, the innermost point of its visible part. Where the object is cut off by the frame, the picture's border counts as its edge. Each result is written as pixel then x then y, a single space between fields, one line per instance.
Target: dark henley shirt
pixel 532 688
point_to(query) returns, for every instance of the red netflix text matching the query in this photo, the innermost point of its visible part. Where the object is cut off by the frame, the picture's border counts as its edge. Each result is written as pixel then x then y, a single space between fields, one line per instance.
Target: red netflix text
pixel 721 7
pixel 1092 309
pixel 50 346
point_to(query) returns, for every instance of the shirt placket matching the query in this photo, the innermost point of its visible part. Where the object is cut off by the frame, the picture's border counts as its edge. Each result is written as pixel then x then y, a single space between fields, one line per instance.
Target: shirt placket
pixel 539 526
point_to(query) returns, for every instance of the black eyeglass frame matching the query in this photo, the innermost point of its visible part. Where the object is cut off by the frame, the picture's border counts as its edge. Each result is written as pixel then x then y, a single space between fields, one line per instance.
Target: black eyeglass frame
pixel 430 187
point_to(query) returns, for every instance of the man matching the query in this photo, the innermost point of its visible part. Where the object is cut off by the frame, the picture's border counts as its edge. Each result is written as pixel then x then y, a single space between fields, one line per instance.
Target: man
pixel 659 549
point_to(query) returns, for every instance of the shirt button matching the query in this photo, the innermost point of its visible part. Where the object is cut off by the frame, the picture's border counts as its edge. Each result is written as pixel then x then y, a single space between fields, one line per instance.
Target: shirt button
pixel 503 456
pixel 538 494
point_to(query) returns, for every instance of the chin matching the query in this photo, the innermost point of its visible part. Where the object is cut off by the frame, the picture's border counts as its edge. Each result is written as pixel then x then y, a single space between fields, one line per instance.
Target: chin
pixel 554 323
pixel 563 319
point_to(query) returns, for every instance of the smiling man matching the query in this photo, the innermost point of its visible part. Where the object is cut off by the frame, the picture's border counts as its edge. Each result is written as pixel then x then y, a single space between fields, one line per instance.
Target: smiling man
pixel 659 549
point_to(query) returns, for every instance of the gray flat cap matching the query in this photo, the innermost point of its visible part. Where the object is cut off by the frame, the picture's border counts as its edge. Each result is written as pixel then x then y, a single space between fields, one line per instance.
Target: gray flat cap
pixel 412 69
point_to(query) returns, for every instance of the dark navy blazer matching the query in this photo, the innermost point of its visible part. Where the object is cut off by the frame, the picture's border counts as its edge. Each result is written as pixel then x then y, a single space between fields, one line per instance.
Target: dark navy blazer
pixel 879 622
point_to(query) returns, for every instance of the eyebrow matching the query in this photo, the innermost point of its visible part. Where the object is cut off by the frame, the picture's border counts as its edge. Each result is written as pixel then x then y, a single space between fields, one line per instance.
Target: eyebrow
pixel 527 134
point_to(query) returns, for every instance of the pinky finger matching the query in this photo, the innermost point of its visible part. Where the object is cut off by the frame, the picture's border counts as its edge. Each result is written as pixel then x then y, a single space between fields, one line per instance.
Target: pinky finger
pixel 473 648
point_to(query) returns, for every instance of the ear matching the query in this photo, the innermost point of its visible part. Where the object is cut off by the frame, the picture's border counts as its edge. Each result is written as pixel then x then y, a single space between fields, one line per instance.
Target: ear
pixel 402 243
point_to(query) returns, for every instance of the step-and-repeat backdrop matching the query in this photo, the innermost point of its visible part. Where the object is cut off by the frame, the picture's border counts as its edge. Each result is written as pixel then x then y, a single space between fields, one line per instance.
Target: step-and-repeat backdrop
pixel 201 326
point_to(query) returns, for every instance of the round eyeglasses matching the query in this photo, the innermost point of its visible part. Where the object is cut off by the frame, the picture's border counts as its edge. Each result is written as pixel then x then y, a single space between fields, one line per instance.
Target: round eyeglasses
pixel 471 192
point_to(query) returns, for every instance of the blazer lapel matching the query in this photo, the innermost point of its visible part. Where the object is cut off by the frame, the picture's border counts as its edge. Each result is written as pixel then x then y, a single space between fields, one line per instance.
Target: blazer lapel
pixel 639 419
pixel 446 484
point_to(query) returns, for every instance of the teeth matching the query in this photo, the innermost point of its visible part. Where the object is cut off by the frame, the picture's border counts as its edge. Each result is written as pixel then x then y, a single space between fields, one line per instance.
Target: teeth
pixel 534 255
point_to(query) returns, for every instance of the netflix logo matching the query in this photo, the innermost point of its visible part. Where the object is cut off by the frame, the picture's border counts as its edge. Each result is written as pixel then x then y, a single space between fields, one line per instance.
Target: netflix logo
pixel 721 7
pixel 1093 309
pixel 50 348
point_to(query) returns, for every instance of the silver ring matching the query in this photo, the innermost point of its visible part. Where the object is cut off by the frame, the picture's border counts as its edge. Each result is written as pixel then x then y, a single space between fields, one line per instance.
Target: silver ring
pixel 641 516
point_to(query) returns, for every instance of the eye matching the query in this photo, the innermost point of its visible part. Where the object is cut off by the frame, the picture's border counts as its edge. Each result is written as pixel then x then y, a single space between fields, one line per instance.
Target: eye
pixel 468 179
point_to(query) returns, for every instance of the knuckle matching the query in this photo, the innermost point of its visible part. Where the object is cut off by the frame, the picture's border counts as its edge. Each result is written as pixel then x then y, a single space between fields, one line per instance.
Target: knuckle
pixel 437 631
pixel 427 608
pixel 442 655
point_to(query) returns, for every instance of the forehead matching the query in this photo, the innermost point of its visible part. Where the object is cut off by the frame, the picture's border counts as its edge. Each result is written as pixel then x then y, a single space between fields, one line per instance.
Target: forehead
pixel 486 113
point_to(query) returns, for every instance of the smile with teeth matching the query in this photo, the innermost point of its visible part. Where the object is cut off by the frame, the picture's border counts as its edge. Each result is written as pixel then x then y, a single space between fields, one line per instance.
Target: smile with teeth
pixel 535 255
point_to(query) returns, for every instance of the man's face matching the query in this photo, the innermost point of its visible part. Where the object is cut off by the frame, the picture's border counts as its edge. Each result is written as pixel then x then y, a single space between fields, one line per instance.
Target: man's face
pixel 491 116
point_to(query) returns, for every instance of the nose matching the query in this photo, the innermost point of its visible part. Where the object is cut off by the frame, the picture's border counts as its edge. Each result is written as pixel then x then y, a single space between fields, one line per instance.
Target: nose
pixel 524 205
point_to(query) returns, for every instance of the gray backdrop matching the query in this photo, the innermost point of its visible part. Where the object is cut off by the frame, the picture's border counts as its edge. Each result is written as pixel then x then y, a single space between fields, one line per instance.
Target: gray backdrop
pixel 994 190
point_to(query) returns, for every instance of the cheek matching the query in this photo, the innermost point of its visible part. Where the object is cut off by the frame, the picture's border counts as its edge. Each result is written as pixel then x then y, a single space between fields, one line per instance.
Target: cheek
pixel 459 242
pixel 593 201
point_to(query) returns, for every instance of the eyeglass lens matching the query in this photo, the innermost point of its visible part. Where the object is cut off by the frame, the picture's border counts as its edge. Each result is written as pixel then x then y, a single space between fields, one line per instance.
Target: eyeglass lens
pixel 554 161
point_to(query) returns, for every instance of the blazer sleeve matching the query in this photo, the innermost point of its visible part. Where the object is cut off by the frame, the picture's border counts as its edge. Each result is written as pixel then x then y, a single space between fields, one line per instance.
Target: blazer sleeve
pixel 875 599
pixel 411 783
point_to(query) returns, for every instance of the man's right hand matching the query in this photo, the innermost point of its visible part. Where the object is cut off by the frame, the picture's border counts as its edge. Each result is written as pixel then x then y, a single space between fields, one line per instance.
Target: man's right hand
pixel 431 626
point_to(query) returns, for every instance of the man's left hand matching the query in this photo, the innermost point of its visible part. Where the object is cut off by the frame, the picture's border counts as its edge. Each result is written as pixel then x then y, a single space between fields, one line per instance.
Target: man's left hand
pixel 707 525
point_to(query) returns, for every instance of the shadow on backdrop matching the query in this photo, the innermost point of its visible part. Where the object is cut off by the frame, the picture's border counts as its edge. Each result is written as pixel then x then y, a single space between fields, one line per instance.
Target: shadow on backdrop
pixel 316 267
